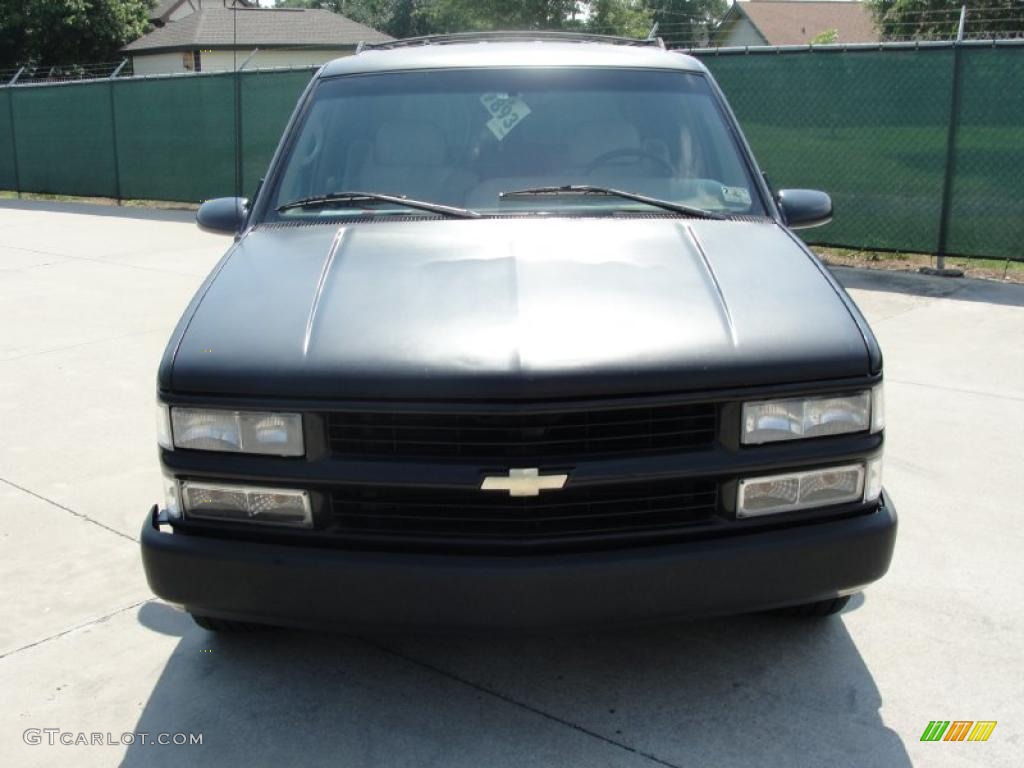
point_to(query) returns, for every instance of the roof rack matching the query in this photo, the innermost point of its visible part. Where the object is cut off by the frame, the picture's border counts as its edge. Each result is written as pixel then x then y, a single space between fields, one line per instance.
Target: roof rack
pixel 529 35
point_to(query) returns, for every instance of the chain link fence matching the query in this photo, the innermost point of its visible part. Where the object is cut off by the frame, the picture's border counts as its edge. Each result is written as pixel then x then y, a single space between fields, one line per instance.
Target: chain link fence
pixel 921 146
pixel 154 138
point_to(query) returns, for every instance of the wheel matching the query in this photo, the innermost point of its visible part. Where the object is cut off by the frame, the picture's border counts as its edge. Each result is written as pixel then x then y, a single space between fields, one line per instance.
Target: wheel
pixel 224 625
pixel 816 610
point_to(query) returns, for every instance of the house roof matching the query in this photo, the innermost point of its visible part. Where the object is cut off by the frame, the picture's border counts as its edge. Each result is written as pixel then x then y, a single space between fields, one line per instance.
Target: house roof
pixel 214 27
pixel 797 22
pixel 162 9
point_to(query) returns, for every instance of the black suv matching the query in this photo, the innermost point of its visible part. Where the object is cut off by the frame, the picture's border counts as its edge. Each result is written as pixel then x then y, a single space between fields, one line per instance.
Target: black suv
pixel 516 334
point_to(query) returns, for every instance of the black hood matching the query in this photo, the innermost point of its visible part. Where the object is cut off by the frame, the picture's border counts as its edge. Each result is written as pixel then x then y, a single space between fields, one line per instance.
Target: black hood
pixel 515 309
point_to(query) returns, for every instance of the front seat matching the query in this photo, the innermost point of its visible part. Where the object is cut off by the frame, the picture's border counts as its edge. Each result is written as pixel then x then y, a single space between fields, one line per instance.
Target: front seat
pixel 407 158
pixel 596 138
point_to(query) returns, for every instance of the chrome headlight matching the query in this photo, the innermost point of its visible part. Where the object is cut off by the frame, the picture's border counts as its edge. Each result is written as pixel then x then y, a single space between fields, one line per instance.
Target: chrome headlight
pixel 203 429
pixel 770 421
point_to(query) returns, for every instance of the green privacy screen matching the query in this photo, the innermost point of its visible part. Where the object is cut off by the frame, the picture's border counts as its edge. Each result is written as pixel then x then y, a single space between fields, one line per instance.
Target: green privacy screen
pixel 176 136
pixel 987 212
pixel 267 102
pixel 64 137
pixel 868 127
pixel 871 127
pixel 8 180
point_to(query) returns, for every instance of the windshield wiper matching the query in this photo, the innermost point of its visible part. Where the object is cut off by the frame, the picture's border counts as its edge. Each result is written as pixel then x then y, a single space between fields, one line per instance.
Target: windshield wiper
pixel 354 198
pixel 589 189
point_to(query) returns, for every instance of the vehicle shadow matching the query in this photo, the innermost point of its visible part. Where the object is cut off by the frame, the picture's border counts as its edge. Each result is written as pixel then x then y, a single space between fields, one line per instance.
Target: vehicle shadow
pixel 930 286
pixel 752 690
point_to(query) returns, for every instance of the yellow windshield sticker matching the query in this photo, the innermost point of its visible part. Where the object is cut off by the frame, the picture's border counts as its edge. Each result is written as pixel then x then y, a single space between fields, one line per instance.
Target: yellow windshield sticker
pixel 735 195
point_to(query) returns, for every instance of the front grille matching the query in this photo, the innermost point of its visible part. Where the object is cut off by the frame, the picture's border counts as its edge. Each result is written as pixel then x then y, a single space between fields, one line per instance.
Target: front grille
pixel 619 513
pixel 515 435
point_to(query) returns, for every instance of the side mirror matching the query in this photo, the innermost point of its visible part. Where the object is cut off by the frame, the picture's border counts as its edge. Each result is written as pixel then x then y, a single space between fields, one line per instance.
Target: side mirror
pixel 222 215
pixel 804 208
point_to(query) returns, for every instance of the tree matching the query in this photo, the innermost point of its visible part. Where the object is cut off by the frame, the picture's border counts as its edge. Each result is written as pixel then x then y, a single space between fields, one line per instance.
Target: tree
pixel 398 18
pixel 473 15
pixel 680 22
pixel 939 19
pixel 686 23
pixel 402 18
pixel 826 37
pixel 68 31
pixel 630 18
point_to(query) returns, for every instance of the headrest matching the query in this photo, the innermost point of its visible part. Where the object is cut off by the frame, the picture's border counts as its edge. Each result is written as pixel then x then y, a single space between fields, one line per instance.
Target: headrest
pixel 598 137
pixel 409 143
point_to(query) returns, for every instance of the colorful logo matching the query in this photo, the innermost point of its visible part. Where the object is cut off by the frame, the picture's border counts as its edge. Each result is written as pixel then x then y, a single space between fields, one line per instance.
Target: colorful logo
pixel 958 730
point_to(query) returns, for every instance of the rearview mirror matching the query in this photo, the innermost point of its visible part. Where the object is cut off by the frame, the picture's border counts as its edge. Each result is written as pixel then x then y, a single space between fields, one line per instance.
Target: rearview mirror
pixel 222 215
pixel 804 208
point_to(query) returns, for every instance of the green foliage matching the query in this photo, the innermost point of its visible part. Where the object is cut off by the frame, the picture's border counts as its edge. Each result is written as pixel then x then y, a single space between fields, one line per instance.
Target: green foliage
pixel 399 18
pixel 68 31
pixel 630 18
pixel 939 19
pixel 826 37
pixel 686 23
pixel 472 15
pixel 680 22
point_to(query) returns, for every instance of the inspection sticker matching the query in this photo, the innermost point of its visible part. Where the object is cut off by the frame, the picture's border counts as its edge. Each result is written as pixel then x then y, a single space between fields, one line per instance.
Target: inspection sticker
pixel 735 195
pixel 506 112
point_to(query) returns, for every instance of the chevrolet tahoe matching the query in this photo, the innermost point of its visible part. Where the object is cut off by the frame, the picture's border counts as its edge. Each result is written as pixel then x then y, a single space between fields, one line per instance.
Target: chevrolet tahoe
pixel 516 334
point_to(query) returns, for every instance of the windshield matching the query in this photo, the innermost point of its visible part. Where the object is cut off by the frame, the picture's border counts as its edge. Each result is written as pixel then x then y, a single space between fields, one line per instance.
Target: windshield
pixel 464 137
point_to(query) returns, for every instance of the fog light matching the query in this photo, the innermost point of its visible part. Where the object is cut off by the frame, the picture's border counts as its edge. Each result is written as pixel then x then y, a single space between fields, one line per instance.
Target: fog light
pixel 270 506
pixel 776 494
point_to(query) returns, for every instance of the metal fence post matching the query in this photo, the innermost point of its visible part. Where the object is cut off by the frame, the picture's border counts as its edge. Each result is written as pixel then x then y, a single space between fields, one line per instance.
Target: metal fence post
pixel 238 134
pixel 113 135
pixel 238 102
pixel 947 182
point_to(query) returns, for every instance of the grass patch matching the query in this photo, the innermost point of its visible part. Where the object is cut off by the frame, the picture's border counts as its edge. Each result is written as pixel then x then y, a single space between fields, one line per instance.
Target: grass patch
pixel 161 204
pixel 986 269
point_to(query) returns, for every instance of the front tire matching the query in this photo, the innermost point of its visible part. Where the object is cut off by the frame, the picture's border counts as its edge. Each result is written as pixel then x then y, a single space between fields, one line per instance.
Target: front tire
pixel 818 610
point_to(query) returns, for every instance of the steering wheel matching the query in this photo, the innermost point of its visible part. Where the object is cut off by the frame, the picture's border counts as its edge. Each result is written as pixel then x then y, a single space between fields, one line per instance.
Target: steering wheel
pixel 639 154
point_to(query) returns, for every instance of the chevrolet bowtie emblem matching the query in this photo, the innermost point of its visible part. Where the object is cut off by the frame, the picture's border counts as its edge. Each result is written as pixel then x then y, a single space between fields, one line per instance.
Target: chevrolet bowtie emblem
pixel 524 482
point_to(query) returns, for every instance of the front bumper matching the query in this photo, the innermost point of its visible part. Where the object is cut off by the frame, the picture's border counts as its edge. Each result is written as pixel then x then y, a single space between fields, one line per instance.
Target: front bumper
pixel 298 585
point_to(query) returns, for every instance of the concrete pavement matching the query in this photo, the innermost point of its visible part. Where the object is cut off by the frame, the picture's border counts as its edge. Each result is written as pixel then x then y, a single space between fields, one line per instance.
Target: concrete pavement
pixel 88 297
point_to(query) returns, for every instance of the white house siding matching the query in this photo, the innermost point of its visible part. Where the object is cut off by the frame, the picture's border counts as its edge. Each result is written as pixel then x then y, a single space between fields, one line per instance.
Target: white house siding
pixel 225 60
pixel 278 58
pixel 221 61
pixel 158 64
pixel 740 33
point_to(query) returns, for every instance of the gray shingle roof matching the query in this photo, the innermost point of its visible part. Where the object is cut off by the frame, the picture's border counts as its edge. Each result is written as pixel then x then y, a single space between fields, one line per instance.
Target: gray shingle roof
pixel 797 22
pixel 264 27
pixel 162 8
